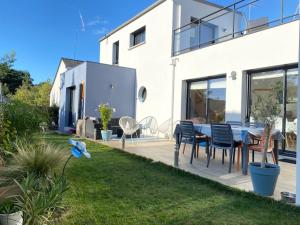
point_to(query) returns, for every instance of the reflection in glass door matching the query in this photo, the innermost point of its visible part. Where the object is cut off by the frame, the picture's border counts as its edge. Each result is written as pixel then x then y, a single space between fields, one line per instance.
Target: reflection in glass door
pixel 291 110
pixel 285 82
pixel 206 100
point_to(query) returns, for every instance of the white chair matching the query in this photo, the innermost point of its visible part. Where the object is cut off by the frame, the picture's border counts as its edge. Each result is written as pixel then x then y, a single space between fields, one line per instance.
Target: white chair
pixel 165 128
pixel 128 125
pixel 148 124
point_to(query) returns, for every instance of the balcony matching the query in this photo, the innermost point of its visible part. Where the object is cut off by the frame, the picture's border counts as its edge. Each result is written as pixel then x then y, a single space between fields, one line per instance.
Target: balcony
pixel 236 20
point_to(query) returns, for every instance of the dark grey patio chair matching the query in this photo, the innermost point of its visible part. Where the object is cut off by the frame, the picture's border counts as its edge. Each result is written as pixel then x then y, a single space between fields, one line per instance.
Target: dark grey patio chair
pixel 221 138
pixel 190 136
pixel 236 144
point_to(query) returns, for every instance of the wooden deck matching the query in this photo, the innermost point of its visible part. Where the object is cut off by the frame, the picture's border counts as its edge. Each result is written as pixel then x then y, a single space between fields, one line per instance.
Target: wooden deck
pixel 163 151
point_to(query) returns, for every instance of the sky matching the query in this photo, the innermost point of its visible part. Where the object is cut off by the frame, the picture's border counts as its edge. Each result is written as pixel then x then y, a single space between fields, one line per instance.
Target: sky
pixel 43 31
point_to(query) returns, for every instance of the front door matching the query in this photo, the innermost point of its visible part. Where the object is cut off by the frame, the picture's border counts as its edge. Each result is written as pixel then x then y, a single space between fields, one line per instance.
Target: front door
pixel 71 107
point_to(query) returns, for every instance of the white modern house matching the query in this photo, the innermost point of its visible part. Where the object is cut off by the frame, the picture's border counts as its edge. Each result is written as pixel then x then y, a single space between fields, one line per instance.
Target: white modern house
pixel 201 61
pixel 80 86
pixel 196 60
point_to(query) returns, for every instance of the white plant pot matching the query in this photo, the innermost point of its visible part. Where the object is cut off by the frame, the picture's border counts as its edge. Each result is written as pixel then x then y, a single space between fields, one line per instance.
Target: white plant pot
pixel 11 219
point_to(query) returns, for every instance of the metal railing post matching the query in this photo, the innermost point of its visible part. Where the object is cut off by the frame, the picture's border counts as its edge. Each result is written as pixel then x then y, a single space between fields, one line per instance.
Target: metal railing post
pixel 282 10
pixel 233 22
pixel 199 39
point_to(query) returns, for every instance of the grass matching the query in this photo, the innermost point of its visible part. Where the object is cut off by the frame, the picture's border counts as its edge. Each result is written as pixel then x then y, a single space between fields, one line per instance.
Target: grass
pixel 118 188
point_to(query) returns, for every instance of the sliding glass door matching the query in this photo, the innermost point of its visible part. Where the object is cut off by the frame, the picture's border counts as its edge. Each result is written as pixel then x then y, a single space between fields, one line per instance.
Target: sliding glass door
pixel 206 100
pixel 284 81
pixel 291 109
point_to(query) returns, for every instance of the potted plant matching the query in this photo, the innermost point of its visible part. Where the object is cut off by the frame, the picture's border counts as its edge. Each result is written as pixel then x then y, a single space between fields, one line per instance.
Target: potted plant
pixel 10 214
pixel 106 116
pixel 266 110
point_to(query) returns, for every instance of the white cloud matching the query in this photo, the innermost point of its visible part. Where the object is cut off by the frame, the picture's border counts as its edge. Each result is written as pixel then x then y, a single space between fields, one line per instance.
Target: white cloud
pixel 97 21
pixel 101 31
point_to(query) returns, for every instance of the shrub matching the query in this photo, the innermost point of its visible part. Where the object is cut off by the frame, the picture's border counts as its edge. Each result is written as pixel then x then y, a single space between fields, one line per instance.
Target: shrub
pixel 25 118
pixel 41 203
pixel 41 159
pixel 8 134
pixel 105 114
pixel 18 120
pixel 8 207
pixel 53 115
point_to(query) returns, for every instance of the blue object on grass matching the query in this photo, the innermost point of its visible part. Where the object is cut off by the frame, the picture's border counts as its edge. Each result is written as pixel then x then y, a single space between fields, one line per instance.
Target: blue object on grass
pixel 79 149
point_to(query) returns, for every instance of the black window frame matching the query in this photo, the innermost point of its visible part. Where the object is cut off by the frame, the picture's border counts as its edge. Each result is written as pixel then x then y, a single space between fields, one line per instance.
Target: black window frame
pixel 134 41
pixel 285 69
pixel 116 53
pixel 189 82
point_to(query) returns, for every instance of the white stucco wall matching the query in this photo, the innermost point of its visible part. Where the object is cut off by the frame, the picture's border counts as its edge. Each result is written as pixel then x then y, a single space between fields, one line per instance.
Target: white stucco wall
pixel 269 48
pixel 152 60
pixel 55 91
pixel 272 47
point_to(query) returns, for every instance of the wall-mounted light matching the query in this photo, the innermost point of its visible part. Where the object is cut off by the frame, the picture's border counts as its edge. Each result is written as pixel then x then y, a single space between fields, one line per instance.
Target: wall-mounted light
pixel 233 75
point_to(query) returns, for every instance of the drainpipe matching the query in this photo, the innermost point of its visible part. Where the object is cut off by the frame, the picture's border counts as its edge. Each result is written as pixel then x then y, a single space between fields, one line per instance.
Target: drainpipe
pixel 298 131
pixel 173 64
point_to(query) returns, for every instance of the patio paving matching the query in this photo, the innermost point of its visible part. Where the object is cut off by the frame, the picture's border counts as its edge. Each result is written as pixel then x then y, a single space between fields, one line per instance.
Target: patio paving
pixel 163 151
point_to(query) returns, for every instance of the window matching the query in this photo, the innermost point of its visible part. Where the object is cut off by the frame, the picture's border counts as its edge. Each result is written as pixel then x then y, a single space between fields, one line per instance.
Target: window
pixel 206 100
pixel 142 94
pixel 116 53
pixel 138 37
pixel 284 79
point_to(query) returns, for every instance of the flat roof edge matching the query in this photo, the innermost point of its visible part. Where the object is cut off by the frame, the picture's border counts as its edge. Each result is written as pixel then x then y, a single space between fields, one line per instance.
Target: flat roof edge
pixel 154 5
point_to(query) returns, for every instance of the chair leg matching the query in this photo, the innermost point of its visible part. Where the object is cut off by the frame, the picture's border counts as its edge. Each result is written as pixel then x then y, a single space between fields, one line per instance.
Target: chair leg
pixel 208 156
pixel 230 160
pixel 238 159
pixel 184 148
pixel 252 156
pixel 233 156
pixel 214 153
pixel 193 153
pixel 197 150
pixel 223 153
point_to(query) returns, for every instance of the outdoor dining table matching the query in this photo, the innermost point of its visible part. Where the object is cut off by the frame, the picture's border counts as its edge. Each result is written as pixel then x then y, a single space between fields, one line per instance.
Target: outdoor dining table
pixel 240 134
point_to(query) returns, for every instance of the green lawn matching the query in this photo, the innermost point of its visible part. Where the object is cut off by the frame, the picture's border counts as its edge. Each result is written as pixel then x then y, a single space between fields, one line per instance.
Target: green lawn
pixel 118 188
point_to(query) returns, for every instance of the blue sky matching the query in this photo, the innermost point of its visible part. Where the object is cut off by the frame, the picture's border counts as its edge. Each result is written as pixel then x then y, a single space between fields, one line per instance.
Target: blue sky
pixel 43 31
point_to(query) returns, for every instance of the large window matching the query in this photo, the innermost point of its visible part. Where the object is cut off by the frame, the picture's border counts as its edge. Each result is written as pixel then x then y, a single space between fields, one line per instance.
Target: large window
pixel 285 82
pixel 138 37
pixel 116 47
pixel 206 100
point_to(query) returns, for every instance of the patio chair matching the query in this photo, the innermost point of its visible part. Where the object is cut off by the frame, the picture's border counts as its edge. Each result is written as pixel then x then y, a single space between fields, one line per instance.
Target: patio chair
pixel 190 136
pixel 261 145
pixel 165 128
pixel 148 124
pixel 128 125
pixel 236 144
pixel 221 138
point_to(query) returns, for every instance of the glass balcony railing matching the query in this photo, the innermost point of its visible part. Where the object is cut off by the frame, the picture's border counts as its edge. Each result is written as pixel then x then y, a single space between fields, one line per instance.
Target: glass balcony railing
pixel 239 19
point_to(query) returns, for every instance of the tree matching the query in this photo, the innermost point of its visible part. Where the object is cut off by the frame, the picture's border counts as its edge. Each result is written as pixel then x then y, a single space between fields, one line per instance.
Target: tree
pixel 266 109
pixel 37 95
pixel 11 78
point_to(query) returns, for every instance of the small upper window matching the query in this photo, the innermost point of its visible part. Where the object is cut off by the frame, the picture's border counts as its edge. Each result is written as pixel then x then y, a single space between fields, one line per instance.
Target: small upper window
pixel 142 94
pixel 138 37
pixel 116 46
